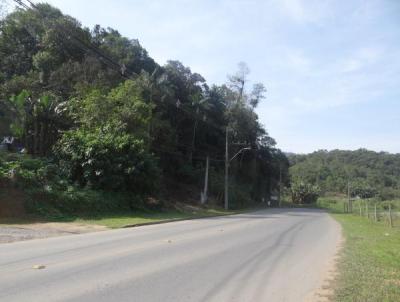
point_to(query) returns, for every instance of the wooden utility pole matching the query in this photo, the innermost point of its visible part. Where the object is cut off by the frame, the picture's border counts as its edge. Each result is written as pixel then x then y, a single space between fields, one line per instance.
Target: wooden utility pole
pixel 204 194
pixel 280 184
pixel 226 203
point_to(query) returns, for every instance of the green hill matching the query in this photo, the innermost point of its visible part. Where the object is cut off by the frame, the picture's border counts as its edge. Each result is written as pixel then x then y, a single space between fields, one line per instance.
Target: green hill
pixel 367 172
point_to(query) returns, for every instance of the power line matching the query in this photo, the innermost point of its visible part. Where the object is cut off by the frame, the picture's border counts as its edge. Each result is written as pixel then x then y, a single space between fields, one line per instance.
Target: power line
pixel 87 45
pixel 122 69
pixel 184 156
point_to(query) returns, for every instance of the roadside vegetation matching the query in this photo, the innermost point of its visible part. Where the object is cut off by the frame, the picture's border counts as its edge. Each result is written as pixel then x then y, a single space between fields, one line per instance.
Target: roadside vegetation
pixel 142 218
pixel 369 260
pixel 125 218
pixel 36 189
pixel 369 266
pixel 100 128
pixel 361 190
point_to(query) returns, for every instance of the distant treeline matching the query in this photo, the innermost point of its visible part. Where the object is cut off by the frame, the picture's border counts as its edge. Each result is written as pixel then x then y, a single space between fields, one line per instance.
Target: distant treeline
pixel 368 173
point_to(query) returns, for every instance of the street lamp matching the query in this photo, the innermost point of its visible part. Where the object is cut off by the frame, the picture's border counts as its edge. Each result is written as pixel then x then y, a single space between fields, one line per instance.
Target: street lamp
pixel 240 151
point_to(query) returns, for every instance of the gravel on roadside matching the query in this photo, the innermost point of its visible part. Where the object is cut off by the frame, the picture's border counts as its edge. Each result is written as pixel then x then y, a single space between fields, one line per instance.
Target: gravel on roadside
pixel 12 233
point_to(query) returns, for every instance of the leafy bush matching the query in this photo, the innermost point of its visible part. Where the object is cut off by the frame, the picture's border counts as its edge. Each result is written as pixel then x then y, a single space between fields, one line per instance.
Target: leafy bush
pixel 49 194
pixel 107 159
pixel 23 170
pixel 55 203
pixel 304 193
pixel 388 193
pixel 363 190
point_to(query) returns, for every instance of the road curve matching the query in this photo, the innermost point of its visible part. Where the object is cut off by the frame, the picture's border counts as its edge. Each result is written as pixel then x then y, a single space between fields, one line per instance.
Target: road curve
pixel 268 255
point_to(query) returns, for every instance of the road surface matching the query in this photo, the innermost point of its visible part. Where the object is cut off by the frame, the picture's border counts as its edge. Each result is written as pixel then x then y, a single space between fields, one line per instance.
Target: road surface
pixel 268 255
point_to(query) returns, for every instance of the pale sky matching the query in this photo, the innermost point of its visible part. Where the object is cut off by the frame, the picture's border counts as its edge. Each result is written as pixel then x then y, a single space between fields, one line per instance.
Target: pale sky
pixel 331 68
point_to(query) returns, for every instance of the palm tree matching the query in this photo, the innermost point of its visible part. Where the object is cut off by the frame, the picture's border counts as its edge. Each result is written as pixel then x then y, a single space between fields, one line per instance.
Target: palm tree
pixel 50 118
pixel 199 104
pixel 157 88
pixel 38 121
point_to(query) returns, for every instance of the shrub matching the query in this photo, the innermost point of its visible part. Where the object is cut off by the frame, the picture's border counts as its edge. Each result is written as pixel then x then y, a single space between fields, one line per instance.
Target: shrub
pixel 21 169
pixel 304 193
pixel 107 159
pixel 363 190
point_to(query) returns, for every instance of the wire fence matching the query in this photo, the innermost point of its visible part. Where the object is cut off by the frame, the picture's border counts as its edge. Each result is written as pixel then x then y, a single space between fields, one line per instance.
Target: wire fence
pixel 380 212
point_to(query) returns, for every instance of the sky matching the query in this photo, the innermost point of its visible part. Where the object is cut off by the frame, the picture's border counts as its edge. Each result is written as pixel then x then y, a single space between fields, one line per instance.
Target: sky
pixel 331 68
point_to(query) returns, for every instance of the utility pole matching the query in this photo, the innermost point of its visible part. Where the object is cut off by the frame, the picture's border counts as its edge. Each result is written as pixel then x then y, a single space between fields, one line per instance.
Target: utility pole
pixel 204 194
pixel 280 184
pixel 227 161
pixel 226 204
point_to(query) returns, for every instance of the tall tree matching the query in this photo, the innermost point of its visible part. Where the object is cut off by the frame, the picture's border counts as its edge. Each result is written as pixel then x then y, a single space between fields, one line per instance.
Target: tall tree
pixel 238 81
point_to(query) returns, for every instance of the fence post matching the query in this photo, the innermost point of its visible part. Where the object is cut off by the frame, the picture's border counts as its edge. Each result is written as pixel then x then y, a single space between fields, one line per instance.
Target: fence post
pixel 366 209
pixel 375 214
pixel 359 204
pixel 390 216
pixel 350 203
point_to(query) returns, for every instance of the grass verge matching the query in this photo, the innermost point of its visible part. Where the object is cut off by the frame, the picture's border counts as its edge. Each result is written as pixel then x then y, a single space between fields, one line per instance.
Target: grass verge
pixel 132 219
pixel 369 267
pixel 123 219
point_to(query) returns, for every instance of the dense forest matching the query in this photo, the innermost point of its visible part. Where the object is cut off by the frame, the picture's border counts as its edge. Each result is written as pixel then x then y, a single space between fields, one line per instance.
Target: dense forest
pixel 93 112
pixel 365 173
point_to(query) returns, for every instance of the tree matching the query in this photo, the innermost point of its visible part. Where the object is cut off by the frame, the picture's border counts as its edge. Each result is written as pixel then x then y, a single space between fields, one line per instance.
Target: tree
pixel 38 120
pixel 303 193
pixel 127 52
pixel 122 105
pixel 107 149
pixel 238 81
pixel 107 158
pixel 100 103
pixel 257 94
pixel 369 173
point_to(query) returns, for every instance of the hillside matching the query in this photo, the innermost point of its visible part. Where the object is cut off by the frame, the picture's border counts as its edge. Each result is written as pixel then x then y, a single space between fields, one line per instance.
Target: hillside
pixel 97 115
pixel 367 172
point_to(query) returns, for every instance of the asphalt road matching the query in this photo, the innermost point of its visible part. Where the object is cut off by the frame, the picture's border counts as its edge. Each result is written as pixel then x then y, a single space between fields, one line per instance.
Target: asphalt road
pixel 274 255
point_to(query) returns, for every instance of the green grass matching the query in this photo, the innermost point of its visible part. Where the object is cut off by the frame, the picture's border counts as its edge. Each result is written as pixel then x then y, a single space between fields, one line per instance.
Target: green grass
pixel 124 219
pixel 119 220
pixel 369 267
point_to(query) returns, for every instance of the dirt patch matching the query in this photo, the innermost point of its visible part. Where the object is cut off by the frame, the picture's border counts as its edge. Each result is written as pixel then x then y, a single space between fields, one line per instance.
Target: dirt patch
pixel 11 201
pixel 20 232
pixel 393 281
